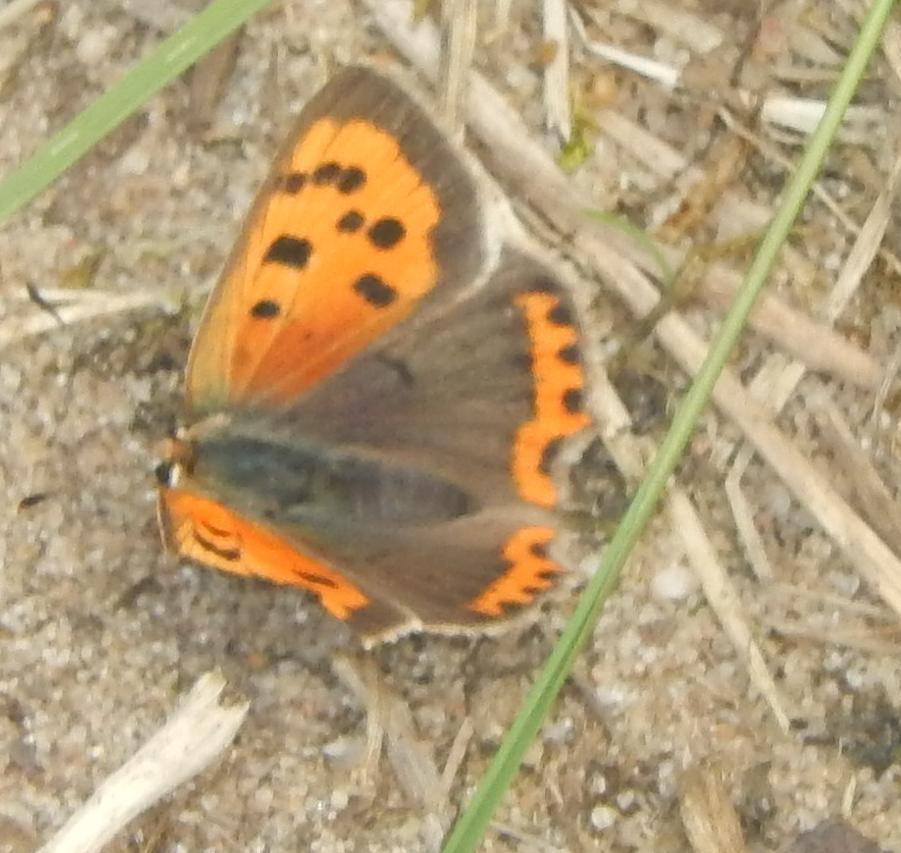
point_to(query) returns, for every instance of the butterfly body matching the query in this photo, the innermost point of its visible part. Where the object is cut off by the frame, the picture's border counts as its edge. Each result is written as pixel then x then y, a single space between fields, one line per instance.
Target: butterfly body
pixel 379 393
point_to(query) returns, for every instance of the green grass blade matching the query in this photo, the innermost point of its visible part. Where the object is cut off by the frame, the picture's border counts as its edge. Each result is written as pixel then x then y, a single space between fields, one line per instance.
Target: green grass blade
pixel 176 53
pixel 640 236
pixel 471 826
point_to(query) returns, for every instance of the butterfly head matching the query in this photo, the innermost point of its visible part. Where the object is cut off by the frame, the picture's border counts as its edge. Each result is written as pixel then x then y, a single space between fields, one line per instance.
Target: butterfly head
pixel 178 453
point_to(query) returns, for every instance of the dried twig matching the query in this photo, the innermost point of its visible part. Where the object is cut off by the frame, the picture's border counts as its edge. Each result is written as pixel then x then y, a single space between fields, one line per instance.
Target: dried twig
pixel 695 31
pixel 863 640
pixel 556 73
pixel 798 114
pixel 413 766
pixel 708 814
pixel 871 494
pixel 783 384
pixel 772 154
pixel 864 250
pixel 194 736
pixel 83 305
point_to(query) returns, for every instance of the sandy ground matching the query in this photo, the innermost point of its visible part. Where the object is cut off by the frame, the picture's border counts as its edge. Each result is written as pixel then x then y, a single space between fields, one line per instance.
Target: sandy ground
pixel 100 631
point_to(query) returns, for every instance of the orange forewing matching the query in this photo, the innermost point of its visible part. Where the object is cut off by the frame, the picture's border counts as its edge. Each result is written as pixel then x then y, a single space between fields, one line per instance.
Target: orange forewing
pixel 337 251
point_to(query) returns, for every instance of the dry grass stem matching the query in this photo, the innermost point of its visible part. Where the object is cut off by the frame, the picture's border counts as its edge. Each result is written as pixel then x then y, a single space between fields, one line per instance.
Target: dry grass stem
pixel 660 72
pixel 459 28
pixel 864 250
pixel 750 538
pixel 774 156
pixel 889 377
pixel 781 590
pixel 683 26
pixel 796 114
pixel 409 756
pixel 708 815
pixel 864 640
pixel 869 491
pixel 722 597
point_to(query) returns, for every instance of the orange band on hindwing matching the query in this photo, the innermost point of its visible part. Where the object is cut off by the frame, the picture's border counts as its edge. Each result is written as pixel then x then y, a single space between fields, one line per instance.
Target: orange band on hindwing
pixel 559 383
pixel 208 532
pixel 529 566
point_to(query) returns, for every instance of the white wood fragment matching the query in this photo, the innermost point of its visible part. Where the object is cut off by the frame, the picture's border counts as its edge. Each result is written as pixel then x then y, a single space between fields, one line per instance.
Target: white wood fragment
pixel 14 10
pixel 558 116
pixel 84 305
pixel 197 733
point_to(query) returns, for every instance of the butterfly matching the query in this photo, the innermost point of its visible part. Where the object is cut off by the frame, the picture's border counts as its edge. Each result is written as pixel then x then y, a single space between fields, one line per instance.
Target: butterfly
pixel 377 392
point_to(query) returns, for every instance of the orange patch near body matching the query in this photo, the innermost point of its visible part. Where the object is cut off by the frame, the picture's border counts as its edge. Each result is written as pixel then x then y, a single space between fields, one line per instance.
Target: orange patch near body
pixel 338 250
pixel 208 532
pixel 526 552
pixel 556 380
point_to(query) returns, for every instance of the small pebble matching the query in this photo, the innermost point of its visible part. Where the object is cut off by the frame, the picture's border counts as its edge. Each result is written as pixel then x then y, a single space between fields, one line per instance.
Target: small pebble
pixel 603 817
pixel 673 583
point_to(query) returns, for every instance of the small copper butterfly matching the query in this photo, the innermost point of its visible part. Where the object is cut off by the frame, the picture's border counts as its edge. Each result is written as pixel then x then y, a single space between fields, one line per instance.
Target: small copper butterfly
pixel 376 393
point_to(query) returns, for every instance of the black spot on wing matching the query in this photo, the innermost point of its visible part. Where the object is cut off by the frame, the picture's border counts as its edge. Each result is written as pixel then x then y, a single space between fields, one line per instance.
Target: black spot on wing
pixel 386 233
pixel 326 173
pixel 560 315
pixel 230 554
pixel 266 309
pixel 350 180
pixel 351 222
pixel 548 454
pixel 570 354
pixel 375 291
pixel 572 400
pixel 290 251
pixel 318 580
pixel 538 549
pixel 294 182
